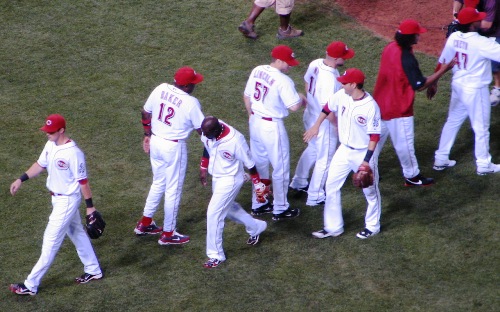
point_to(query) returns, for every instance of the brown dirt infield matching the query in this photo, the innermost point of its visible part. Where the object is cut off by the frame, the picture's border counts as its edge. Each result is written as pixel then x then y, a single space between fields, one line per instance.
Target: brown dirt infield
pixel 384 16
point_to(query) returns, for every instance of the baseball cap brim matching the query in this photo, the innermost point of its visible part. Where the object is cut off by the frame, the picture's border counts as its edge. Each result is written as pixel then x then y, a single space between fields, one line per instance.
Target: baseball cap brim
pixel 292 62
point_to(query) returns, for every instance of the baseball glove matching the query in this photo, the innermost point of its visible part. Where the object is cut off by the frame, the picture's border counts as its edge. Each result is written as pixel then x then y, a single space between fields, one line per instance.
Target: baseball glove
pixel 452 27
pixel 95 224
pixel 262 190
pixel 364 177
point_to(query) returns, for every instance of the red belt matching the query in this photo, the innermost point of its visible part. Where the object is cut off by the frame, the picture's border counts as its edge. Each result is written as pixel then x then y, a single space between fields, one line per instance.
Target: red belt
pixel 167 139
pixel 265 118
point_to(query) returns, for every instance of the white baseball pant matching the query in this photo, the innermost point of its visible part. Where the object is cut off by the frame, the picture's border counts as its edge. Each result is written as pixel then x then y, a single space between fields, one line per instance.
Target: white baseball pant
pixel 64 220
pixel 344 161
pixel 402 135
pixel 222 205
pixel 269 144
pixel 169 163
pixel 473 103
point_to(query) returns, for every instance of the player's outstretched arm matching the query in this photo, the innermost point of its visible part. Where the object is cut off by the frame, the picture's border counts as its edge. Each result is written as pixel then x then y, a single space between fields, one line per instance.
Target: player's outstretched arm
pixel 32 172
pixel 313 131
pixel 440 71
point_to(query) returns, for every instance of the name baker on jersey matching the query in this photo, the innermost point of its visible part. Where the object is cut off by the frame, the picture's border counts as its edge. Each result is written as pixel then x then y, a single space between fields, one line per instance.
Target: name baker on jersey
pixel 171 98
pixel 264 76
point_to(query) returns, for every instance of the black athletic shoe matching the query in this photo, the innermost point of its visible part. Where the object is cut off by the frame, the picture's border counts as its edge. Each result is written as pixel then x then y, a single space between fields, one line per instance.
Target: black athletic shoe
pixel 21 289
pixel 85 278
pixel 287 214
pixel 419 180
pixel 267 208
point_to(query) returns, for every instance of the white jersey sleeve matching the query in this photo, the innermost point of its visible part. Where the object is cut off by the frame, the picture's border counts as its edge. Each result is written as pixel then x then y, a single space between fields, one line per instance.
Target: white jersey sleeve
pixel 271 92
pixel 174 113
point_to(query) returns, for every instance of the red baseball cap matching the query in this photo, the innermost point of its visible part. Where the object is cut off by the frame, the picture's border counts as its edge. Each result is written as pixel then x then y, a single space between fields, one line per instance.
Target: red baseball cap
pixel 471 3
pixel 352 75
pixel 53 123
pixel 410 27
pixel 338 49
pixel 284 53
pixel 186 75
pixel 470 15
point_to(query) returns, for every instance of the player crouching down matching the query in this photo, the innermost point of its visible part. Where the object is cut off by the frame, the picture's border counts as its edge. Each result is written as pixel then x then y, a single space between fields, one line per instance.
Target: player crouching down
pixel 225 153
pixel 358 123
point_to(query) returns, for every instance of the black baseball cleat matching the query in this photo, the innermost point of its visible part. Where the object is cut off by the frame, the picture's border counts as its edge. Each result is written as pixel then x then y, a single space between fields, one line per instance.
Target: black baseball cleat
pixel 419 180
pixel 86 277
pixel 21 289
pixel 267 208
pixel 287 214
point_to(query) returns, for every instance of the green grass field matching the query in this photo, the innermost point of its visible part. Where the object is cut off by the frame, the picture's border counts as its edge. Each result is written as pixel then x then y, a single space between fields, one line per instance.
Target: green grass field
pixel 95 62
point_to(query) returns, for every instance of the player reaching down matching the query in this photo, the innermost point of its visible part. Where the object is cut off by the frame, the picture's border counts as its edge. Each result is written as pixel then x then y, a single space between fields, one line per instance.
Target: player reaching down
pixel 66 181
pixel 168 116
pixel 469 90
pixel 358 118
pixel 225 154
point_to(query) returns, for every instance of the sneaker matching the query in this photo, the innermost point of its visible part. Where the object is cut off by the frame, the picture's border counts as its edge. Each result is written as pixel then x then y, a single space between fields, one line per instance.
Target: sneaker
pixel 267 208
pixel 419 180
pixel 492 168
pixel 495 96
pixel 20 289
pixel 366 233
pixel 287 214
pixel 151 229
pixel 314 203
pixel 324 234
pixel 86 277
pixel 253 240
pixel 247 30
pixel 289 33
pixel 212 263
pixel 175 239
pixel 441 165
pixel 300 189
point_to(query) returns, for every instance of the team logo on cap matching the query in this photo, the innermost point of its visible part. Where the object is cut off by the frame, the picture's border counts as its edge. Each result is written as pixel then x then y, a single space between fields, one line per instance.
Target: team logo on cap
pixel 361 120
pixel 61 164
pixel 227 155
pixel 48 122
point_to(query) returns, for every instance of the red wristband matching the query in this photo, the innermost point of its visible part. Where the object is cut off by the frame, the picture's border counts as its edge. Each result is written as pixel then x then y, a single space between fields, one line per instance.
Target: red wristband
pixel 204 163
pixel 146 123
pixel 255 178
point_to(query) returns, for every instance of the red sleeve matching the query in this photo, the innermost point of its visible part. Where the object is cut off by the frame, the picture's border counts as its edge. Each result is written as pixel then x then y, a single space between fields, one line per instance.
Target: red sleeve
pixel 375 137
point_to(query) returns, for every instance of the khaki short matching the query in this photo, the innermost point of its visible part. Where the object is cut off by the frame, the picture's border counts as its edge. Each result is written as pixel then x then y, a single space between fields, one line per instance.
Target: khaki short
pixel 283 7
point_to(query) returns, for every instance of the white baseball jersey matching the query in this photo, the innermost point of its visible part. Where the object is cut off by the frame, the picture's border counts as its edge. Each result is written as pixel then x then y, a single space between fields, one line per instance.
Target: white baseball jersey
pixel 473 53
pixel 175 113
pixel 65 166
pixel 271 92
pixel 356 119
pixel 229 154
pixel 322 80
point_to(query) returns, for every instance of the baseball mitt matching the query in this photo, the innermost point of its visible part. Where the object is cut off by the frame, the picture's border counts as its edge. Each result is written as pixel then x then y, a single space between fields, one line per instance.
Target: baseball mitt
pixel 262 190
pixel 364 177
pixel 95 224
pixel 452 27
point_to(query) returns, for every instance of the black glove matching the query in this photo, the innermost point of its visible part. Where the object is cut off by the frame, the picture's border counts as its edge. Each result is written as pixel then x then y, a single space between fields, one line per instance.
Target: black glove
pixel 95 224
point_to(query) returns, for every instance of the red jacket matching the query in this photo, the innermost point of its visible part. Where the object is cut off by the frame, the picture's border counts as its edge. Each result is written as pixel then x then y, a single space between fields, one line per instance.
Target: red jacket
pixel 393 91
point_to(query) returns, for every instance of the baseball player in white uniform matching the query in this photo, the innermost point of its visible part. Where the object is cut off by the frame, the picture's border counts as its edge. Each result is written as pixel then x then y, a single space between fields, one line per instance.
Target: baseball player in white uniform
pixel 320 83
pixel 225 154
pixel 469 95
pixel 359 131
pixel 67 177
pixel 268 95
pixel 169 115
